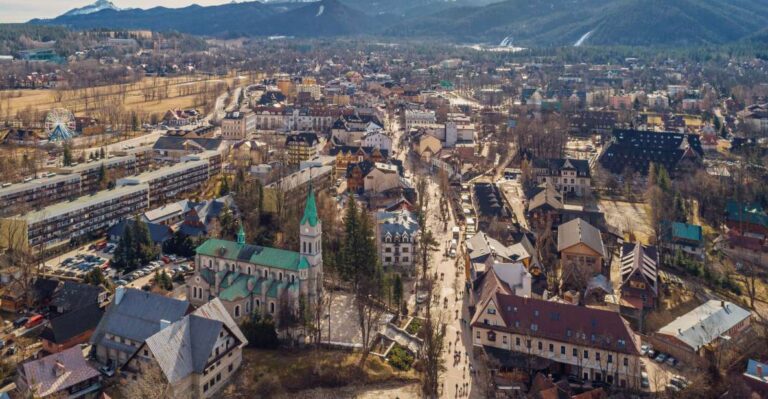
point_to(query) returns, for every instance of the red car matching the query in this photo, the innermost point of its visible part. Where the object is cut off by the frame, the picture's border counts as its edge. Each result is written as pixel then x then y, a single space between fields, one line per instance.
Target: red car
pixel 34 321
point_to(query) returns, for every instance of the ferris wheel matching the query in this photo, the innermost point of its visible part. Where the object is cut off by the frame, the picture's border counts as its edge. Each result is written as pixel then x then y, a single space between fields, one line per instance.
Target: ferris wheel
pixel 60 124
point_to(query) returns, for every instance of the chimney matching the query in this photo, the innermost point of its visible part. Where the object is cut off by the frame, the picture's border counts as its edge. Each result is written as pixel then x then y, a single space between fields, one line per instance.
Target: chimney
pixel 58 368
pixel 164 323
pixel 119 294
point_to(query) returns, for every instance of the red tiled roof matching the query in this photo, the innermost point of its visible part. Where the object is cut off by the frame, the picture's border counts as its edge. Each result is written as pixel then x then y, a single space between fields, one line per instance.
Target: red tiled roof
pixel 579 325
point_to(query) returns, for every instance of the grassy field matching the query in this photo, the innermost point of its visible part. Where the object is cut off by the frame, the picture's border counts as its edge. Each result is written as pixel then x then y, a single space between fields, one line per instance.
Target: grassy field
pixel 284 373
pixel 150 95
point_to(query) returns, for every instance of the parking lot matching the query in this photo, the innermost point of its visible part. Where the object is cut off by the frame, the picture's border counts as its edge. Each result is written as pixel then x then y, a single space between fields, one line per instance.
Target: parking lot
pixel 660 374
pixel 77 263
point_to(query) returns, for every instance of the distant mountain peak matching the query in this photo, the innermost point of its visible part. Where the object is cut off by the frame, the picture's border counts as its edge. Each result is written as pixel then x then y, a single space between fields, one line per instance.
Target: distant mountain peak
pixel 97 6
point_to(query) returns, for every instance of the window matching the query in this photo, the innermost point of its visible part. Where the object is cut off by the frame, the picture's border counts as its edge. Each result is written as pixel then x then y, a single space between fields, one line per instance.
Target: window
pixel 218 377
pixel 517 341
pixel 504 339
pixel 551 348
pixel 610 358
pixel 575 352
pixel 146 353
pixel 597 356
pixel 405 250
pixel 205 387
pixel 562 349
pixel 491 311
pixel 626 361
pixel 237 311
pixel 387 249
pixel 528 343
pixel 540 345
pixel 229 369
pixel 491 336
pixel 586 354
pixel 405 259
pixel 478 334
pixel 387 259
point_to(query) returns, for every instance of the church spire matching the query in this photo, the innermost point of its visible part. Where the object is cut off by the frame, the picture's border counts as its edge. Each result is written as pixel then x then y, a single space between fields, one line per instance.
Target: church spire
pixel 241 235
pixel 310 209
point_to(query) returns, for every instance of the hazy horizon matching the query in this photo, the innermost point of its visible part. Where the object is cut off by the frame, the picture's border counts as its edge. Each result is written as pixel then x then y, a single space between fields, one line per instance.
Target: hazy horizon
pixel 16 11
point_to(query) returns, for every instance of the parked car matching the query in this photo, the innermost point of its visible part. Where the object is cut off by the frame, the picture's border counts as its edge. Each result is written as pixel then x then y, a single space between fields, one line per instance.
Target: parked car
pixel 679 382
pixel 20 321
pixel 644 349
pixel 35 320
pixel 672 388
pixel 660 358
pixel 671 361
pixel 107 371
pixel 651 353
pixel 644 383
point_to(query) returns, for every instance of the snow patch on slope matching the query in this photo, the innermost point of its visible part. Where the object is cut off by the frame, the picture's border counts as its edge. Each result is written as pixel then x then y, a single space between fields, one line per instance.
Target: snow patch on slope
pixel 320 10
pixel 583 39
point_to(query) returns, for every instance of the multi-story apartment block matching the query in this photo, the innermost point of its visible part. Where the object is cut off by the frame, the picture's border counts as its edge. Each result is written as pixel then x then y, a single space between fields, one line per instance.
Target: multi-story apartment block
pixel 237 125
pixel 168 183
pixel 32 194
pixel 144 155
pixel 214 158
pixel 90 172
pixel 569 176
pixel 301 147
pixel 60 223
pixel 396 238
pixel 592 344
pixel 417 118
pixel 250 278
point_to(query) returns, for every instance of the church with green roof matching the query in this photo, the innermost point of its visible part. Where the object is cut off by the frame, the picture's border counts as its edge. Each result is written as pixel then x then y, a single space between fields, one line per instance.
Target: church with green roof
pixel 251 279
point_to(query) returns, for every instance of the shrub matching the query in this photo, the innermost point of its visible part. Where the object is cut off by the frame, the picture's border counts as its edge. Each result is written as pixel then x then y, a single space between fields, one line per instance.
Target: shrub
pixel 268 387
pixel 400 358
pixel 414 326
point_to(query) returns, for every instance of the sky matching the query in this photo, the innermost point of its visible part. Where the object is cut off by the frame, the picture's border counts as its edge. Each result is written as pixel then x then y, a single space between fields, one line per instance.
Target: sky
pixel 24 10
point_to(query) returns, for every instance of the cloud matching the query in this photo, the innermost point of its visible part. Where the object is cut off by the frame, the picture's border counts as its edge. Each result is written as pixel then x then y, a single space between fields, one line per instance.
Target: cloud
pixel 22 11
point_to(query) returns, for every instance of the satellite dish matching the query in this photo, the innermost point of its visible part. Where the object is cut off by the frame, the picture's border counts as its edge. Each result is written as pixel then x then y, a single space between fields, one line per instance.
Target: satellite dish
pixel 60 125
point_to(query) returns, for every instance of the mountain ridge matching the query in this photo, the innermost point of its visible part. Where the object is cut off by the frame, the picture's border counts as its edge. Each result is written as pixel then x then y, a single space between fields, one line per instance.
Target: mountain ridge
pixel 528 22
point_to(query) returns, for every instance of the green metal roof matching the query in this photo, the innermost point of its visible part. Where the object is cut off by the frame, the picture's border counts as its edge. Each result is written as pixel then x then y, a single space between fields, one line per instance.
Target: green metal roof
pixel 303 263
pixel 263 256
pixel 686 231
pixel 751 213
pixel 310 210
pixel 238 289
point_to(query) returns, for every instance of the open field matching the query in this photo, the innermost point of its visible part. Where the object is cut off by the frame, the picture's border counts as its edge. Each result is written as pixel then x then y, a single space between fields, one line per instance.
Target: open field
pixel 314 374
pixel 150 95
pixel 628 217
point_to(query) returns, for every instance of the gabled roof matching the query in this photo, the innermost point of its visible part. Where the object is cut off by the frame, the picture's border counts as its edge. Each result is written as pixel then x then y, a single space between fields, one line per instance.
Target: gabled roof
pixel 71 296
pixel 561 322
pixel 72 324
pixel 57 372
pixel 706 323
pixel 265 256
pixel 683 231
pixel 481 245
pixel 157 232
pixel 640 260
pixel 184 347
pixel 579 231
pixel 747 212
pixel 546 195
pixel 178 143
pixel 136 314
